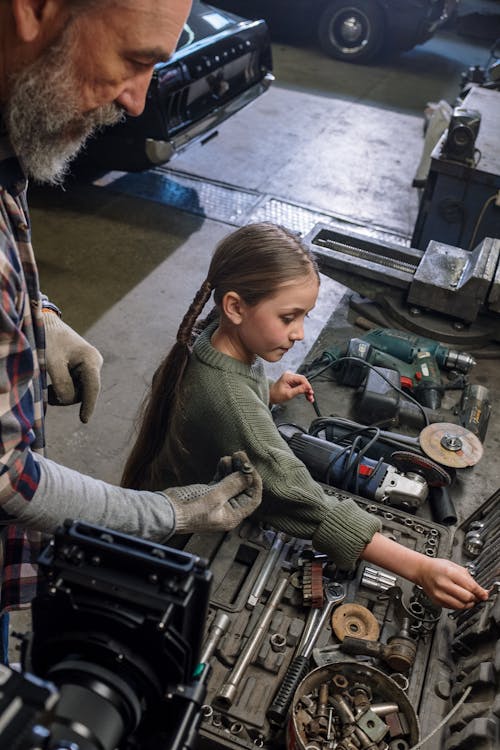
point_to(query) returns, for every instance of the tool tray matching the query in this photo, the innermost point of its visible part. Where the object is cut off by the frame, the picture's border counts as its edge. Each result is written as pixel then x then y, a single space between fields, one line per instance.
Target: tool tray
pixel 237 558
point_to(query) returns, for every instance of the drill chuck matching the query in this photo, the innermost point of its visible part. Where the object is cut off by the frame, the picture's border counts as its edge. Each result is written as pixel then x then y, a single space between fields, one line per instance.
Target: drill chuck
pixel 460 361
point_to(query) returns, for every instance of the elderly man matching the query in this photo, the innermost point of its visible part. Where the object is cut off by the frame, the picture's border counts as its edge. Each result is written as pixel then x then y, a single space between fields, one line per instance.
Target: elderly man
pixel 66 68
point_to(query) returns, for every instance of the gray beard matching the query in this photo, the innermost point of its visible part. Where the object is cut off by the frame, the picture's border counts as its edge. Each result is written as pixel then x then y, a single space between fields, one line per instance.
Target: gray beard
pixel 42 117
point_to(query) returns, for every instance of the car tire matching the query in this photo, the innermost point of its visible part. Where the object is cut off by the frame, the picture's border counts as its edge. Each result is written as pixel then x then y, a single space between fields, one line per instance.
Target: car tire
pixel 352 30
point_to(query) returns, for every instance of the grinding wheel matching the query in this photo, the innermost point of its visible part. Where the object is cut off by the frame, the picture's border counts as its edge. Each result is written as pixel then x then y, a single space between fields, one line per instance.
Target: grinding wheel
pixel 356 621
pixel 451 445
pixel 432 472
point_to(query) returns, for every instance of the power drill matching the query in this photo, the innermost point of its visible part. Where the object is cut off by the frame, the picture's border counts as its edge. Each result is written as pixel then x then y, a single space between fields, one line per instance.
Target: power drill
pixel 408 347
pixel 416 359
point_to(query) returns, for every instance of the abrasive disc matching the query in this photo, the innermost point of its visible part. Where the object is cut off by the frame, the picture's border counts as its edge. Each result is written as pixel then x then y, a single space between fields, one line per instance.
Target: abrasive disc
pixel 356 621
pixel 431 471
pixel 451 445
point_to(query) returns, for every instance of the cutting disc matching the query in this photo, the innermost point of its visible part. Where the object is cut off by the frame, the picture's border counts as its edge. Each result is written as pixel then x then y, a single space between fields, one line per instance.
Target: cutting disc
pixel 355 620
pixel 451 445
pixel 432 472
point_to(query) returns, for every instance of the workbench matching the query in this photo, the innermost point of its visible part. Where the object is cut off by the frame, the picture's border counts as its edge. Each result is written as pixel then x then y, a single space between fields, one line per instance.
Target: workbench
pixel 471 488
pixel 238 558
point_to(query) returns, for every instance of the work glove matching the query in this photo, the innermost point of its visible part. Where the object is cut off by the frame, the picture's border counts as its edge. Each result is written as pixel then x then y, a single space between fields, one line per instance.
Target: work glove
pixel 73 365
pixel 234 493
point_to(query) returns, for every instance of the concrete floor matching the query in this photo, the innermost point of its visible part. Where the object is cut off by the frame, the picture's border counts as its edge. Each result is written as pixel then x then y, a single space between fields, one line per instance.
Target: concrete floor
pixel 327 138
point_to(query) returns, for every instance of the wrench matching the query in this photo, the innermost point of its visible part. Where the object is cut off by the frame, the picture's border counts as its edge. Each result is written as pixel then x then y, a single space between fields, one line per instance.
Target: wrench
pixel 298 668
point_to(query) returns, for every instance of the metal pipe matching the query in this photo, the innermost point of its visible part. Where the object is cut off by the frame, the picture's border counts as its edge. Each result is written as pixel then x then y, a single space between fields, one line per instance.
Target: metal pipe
pixel 228 689
pixel 267 569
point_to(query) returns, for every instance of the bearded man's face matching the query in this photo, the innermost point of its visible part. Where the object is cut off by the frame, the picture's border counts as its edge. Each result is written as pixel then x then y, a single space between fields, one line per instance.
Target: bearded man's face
pixel 43 113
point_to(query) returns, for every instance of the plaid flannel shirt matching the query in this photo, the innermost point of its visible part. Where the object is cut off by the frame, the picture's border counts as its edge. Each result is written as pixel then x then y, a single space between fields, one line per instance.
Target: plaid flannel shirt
pixel 22 380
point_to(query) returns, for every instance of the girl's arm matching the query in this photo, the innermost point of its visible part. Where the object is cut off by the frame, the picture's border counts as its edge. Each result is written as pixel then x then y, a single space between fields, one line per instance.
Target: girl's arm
pixel 446 583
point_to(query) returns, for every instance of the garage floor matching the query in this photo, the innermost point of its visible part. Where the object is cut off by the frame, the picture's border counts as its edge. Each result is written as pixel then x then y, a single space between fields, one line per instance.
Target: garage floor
pixel 125 257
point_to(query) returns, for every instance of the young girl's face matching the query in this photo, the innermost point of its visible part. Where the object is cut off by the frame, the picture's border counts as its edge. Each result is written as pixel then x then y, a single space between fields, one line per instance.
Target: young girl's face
pixel 271 327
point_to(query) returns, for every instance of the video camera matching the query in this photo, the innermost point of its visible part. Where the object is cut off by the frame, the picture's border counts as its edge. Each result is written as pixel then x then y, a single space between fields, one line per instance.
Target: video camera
pixel 112 658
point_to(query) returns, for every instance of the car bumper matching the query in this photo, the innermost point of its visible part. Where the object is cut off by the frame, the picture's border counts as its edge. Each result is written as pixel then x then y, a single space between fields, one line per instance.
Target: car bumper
pixel 427 19
pixel 159 151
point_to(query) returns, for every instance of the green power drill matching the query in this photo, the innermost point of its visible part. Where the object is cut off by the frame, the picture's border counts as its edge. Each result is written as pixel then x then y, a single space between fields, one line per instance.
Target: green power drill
pixel 416 359
pixel 408 347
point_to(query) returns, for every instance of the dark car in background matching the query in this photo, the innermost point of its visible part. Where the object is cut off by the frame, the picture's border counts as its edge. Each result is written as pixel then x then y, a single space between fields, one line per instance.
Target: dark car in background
pixel 352 30
pixel 221 64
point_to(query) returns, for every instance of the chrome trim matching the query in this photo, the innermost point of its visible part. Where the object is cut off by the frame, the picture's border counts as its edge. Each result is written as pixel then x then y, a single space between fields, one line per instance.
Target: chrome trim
pixel 159 152
pixel 448 8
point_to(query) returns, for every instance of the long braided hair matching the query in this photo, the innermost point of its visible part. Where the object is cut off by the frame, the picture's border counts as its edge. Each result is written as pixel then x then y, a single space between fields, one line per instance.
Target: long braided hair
pixel 251 261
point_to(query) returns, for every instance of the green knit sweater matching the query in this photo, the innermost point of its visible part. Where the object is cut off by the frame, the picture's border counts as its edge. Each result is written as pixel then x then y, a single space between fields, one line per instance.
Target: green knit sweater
pixel 225 407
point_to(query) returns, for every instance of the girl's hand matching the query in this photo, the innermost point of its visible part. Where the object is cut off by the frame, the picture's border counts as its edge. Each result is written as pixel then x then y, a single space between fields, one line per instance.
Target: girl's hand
pixel 289 385
pixel 448 584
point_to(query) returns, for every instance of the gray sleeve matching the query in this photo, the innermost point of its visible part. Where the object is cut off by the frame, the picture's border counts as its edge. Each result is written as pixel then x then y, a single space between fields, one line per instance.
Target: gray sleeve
pixel 63 493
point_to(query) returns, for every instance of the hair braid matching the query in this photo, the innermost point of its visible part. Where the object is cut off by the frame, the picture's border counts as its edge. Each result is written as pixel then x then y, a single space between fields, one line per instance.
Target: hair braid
pixel 185 332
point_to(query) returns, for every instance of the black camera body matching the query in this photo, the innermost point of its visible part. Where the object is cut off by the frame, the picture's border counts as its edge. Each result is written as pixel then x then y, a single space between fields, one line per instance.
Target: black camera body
pixel 118 632
pixel 460 142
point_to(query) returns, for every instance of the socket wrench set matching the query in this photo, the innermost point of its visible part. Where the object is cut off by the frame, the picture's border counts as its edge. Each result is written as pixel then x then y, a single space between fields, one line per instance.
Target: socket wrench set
pixel 278 610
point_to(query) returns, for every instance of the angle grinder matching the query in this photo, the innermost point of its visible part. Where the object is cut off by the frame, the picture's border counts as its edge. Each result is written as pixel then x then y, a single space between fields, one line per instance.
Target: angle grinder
pixel 403 481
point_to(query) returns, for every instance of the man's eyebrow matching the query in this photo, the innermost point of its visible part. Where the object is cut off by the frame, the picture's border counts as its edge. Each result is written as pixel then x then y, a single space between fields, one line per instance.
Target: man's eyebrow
pixel 155 54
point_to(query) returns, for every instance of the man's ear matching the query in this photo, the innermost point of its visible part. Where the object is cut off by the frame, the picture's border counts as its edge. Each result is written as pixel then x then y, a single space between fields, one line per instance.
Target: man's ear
pixel 36 18
pixel 232 307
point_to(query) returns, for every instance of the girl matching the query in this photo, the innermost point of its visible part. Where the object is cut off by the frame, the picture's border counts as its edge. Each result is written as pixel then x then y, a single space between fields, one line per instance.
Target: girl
pixel 213 398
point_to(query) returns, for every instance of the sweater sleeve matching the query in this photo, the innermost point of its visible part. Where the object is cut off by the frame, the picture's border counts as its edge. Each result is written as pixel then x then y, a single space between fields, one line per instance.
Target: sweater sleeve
pixel 293 501
pixel 63 493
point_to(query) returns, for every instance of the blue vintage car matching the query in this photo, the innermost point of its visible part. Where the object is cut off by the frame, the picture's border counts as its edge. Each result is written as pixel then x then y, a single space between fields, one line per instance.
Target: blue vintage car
pixel 221 64
pixel 352 30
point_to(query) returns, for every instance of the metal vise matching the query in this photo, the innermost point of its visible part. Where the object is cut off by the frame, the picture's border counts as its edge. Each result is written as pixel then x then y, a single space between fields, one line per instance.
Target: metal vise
pixel 442 279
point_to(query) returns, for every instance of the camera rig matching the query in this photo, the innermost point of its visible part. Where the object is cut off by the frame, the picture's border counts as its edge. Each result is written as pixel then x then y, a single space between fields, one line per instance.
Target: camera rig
pixel 112 660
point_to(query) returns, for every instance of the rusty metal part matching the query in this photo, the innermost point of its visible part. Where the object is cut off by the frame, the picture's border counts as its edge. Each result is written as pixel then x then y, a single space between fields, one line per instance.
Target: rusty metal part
pixel 322 709
pixel 312 584
pixel 451 445
pixel 398 745
pixel 361 697
pixel 340 681
pixel 312 563
pixel 398 653
pixel 372 726
pixel 278 642
pixel 355 620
